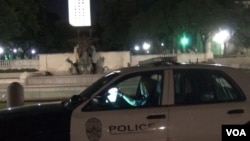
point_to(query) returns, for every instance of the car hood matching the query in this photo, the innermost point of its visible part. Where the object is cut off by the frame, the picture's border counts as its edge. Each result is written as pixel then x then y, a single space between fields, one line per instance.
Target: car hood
pixel 35 122
pixel 31 110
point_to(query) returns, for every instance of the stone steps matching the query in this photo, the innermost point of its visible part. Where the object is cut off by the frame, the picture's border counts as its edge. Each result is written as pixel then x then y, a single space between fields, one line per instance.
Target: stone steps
pixel 47 88
pixel 45 93
pixel 9 80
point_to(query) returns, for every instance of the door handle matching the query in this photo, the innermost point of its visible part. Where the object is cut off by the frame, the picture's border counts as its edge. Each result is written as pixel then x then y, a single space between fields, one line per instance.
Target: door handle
pixel 236 111
pixel 156 117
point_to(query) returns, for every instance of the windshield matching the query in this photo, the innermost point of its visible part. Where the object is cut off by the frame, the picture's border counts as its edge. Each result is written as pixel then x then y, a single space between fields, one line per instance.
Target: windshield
pixel 99 84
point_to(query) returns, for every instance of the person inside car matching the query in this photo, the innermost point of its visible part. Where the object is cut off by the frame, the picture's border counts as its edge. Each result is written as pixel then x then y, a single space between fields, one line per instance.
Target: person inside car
pixel 146 93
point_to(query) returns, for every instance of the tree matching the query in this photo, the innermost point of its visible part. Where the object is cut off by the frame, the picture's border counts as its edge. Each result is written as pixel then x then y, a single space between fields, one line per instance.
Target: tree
pixel 241 37
pixel 27 23
pixel 56 37
pixel 197 18
pixel 115 20
pixel 20 19
pixel 128 22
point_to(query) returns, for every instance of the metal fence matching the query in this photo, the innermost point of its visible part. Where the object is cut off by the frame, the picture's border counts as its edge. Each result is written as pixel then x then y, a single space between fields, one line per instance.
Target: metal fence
pixel 19 64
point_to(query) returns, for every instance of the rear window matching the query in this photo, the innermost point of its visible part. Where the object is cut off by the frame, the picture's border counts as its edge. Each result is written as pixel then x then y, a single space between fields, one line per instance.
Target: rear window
pixel 197 86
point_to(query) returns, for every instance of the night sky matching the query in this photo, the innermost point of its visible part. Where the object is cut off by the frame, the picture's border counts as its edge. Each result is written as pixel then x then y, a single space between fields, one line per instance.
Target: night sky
pixel 60 7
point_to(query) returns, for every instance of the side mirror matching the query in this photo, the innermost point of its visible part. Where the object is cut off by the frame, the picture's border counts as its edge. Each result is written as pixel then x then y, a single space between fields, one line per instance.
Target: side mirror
pixel 73 101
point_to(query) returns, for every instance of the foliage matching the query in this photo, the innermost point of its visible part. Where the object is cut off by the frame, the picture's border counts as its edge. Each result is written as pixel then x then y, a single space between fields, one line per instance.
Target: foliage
pixel 241 37
pixel 114 19
pixel 18 70
pixel 27 23
pixel 56 38
pixel 19 19
pixel 128 22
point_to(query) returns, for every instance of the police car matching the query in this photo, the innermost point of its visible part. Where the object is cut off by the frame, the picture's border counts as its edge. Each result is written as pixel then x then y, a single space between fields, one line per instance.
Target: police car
pixel 167 102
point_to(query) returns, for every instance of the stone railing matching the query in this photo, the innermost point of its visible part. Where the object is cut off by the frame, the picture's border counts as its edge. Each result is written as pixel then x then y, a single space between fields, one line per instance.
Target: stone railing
pixel 19 64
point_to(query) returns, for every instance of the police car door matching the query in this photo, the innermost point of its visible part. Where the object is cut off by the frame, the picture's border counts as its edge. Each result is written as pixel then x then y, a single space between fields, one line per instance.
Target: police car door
pixel 106 117
pixel 204 101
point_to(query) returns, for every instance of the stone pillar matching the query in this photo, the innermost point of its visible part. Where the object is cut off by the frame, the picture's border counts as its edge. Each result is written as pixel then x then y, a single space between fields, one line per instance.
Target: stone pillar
pixel 15 95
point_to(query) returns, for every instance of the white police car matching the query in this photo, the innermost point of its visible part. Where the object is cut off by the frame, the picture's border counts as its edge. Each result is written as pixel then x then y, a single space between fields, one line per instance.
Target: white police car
pixel 146 103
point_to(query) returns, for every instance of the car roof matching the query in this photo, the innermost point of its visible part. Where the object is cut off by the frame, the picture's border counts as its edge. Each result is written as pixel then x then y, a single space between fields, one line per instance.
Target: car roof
pixel 158 63
pixel 176 66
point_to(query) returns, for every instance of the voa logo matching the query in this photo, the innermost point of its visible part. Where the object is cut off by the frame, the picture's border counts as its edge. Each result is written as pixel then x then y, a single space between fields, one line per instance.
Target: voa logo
pixel 236 132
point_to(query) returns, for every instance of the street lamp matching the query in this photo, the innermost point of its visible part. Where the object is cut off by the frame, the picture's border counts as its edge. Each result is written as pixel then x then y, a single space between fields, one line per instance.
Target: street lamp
pixel 14 50
pixel 137 48
pixel 33 51
pixel 184 42
pixel 221 37
pixel 146 46
pixel 1 50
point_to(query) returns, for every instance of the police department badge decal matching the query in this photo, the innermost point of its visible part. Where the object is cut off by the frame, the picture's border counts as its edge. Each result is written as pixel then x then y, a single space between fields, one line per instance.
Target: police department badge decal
pixel 93 129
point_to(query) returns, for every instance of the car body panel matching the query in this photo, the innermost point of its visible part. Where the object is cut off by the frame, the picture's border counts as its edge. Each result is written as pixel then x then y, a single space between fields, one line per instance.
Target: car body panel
pixel 204 122
pixel 71 119
pixel 36 122
pixel 120 125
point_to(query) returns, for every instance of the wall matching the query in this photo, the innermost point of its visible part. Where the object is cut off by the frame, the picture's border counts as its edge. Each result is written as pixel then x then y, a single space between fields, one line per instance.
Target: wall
pixel 199 57
pixel 135 59
pixel 114 60
pixel 236 62
pixel 56 63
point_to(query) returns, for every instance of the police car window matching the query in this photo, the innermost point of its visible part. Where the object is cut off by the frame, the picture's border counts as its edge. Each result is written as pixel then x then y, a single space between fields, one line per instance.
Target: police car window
pixel 204 86
pixel 87 93
pixel 129 86
pixel 131 91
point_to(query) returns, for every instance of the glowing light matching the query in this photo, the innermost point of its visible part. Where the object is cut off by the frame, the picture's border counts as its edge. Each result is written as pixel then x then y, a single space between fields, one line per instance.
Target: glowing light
pixel 137 48
pixel 218 64
pixel 1 50
pixel 146 46
pixel 15 50
pixel 33 51
pixel 221 36
pixel 162 128
pixel 79 12
pixel 111 73
pixel 113 92
pixel 184 41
